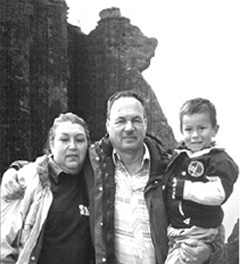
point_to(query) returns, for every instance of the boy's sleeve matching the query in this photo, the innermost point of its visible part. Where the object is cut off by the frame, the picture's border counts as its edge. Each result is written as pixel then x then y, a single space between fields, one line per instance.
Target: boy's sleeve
pixel 228 172
pixel 208 193
pixel 221 175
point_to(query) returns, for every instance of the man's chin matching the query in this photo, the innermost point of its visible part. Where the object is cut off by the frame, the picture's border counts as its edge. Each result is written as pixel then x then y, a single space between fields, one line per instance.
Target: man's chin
pixel 130 145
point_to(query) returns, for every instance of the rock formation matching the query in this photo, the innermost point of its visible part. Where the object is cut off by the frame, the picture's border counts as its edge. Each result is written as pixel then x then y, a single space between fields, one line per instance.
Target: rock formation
pixel 48 67
pixel 114 55
pixel 33 80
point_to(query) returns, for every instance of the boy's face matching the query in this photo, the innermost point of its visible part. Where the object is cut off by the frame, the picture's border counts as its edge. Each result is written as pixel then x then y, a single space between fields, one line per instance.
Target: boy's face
pixel 198 131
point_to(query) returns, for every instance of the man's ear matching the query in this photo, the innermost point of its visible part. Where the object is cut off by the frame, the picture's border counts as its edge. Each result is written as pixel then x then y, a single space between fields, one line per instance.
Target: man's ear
pixel 145 124
pixel 107 125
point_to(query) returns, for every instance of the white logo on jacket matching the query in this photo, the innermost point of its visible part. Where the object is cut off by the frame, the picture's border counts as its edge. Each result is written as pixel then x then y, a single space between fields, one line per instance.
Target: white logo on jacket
pixel 83 210
pixel 196 168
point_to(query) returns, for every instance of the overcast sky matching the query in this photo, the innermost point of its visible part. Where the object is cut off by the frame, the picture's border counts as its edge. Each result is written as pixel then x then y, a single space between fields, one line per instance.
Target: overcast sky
pixel 198 55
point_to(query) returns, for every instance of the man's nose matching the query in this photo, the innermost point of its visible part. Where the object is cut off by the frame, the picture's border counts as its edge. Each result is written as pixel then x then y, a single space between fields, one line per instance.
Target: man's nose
pixel 129 126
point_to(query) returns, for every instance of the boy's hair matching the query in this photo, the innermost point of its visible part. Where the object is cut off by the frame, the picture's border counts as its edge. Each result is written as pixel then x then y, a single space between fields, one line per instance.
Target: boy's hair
pixel 198 105
pixel 124 93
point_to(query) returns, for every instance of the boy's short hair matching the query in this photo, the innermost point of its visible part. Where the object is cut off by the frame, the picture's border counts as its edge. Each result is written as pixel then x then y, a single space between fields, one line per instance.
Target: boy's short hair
pixel 198 105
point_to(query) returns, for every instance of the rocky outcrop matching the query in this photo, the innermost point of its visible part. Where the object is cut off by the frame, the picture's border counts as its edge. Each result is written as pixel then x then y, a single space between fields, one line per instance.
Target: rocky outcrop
pixel 33 80
pixel 48 67
pixel 232 246
pixel 114 55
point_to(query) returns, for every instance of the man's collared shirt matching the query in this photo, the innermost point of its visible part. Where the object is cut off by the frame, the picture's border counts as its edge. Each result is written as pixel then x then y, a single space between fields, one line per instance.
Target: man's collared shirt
pixel 132 227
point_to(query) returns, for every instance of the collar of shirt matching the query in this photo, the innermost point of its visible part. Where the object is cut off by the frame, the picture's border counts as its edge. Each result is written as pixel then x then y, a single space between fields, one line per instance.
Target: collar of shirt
pixel 54 169
pixel 146 156
pixel 200 152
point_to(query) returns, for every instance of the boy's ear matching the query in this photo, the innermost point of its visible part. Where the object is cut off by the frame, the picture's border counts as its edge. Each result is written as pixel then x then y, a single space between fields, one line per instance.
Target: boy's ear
pixel 216 130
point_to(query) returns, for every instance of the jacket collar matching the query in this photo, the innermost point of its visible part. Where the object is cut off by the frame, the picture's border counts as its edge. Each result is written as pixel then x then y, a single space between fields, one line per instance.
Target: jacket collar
pixel 159 157
pixel 146 156
pixel 43 170
pixel 54 169
pixel 182 148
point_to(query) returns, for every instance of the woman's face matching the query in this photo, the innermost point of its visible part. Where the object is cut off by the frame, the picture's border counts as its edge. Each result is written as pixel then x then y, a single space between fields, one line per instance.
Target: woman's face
pixel 69 147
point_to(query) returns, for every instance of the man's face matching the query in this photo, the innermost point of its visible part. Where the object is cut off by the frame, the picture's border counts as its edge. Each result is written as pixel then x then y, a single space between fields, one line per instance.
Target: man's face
pixel 127 124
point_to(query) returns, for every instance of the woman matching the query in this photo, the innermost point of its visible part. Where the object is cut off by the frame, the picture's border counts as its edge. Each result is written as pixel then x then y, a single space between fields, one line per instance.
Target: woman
pixel 51 223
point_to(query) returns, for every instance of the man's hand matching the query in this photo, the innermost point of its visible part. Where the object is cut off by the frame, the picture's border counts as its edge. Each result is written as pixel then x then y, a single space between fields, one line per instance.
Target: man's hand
pixel 194 252
pixel 12 187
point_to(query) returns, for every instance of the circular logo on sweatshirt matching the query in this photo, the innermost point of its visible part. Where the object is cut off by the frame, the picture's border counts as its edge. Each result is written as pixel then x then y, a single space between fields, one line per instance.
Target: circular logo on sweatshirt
pixel 196 168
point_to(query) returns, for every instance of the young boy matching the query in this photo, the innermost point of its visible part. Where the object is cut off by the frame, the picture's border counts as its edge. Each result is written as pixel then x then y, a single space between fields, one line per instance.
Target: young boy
pixel 199 179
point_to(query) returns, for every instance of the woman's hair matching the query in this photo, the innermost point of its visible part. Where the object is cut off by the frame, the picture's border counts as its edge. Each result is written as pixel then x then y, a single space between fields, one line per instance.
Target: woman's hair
pixel 198 105
pixel 66 117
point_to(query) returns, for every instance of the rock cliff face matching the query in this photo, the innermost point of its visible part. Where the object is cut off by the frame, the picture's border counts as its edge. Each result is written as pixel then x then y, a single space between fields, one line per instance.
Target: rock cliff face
pixel 33 80
pixel 48 67
pixel 114 56
pixel 231 252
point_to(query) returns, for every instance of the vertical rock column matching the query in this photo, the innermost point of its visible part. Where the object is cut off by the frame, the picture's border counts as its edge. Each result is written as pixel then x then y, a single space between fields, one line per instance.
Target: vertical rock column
pixel 77 56
pixel 117 54
pixel 33 80
pixel 15 116
pixel 48 67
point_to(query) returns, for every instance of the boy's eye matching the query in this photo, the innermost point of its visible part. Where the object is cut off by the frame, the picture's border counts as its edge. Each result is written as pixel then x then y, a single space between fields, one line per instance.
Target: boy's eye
pixel 80 139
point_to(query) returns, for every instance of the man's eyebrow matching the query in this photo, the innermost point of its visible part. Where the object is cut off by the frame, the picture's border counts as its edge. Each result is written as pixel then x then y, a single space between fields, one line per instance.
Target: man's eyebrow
pixel 120 117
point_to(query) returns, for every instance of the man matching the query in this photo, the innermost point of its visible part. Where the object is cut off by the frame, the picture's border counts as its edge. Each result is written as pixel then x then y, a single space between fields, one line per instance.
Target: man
pixel 128 195
pixel 127 205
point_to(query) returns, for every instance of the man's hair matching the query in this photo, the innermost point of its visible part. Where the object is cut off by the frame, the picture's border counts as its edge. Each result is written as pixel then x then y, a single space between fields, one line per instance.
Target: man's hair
pixel 198 105
pixel 66 117
pixel 125 93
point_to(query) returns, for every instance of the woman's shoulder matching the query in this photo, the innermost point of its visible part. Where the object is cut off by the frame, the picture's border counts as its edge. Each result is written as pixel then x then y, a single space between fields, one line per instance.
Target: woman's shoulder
pixel 36 171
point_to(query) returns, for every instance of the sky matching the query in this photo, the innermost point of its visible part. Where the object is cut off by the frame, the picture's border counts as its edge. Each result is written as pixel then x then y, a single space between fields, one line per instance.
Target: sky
pixel 198 55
